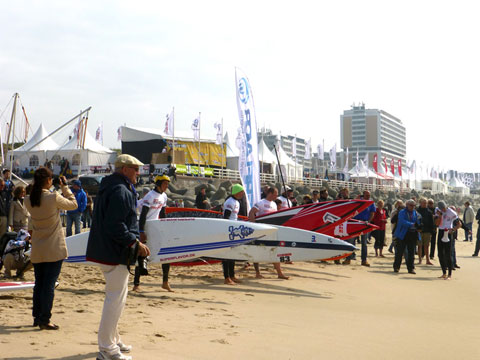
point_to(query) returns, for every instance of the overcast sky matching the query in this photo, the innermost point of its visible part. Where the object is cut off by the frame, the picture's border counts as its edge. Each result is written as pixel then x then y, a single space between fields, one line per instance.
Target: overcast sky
pixel 307 61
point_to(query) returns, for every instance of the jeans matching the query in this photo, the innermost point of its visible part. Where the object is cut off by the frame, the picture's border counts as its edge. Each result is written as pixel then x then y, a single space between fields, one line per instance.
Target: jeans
pixel 73 218
pixel 408 243
pixel 116 290
pixel 46 274
pixel 468 236
pixel 87 219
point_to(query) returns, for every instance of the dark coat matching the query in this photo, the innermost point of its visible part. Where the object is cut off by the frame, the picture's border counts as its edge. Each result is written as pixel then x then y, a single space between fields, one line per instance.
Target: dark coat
pixel 114 221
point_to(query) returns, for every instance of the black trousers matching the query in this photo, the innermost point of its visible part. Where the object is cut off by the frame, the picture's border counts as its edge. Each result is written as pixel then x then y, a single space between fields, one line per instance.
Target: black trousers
pixel 409 242
pixel 46 274
pixel 445 253
pixel 165 270
pixel 433 241
pixel 228 268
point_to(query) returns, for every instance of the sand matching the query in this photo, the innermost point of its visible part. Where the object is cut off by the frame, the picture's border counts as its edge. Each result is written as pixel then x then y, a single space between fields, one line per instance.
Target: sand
pixel 323 311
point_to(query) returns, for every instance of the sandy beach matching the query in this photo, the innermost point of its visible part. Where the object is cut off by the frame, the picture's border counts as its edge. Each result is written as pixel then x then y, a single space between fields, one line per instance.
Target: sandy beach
pixel 323 311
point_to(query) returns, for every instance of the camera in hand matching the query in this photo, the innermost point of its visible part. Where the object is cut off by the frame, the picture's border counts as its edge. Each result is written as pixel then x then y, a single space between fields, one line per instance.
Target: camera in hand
pixel 142 265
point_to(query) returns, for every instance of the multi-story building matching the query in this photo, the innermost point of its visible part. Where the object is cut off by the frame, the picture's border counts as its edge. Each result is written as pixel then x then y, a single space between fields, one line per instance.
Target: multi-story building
pixel 373 131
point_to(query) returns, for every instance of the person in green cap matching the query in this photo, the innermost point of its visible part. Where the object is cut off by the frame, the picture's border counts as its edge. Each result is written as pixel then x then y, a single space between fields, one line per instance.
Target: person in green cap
pixel 231 207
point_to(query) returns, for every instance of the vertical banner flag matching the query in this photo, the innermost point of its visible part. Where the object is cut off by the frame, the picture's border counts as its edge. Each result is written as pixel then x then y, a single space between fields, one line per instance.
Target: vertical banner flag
pixel 345 168
pixel 119 134
pixel 392 166
pixel 365 160
pixel 385 164
pixel 308 150
pixel 399 167
pixel 219 138
pixel 375 162
pixel 248 164
pixel 169 125
pixel 333 157
pixel 294 147
pixel 196 129
pixel 357 165
pixel 320 151
pixel 99 134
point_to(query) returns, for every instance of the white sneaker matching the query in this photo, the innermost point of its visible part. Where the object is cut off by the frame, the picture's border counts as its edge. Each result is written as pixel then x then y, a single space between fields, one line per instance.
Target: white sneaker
pixel 104 356
pixel 124 348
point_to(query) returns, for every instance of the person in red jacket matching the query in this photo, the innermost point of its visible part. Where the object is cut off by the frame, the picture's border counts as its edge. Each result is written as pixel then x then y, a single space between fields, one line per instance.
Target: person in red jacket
pixel 379 219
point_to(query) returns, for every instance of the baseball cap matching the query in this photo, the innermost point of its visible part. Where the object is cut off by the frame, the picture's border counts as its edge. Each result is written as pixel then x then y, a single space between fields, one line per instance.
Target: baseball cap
pixel 77 182
pixel 237 188
pixel 287 188
pixel 126 160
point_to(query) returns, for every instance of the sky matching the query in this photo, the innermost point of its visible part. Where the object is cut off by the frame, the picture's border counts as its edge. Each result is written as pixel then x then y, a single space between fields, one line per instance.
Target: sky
pixel 307 62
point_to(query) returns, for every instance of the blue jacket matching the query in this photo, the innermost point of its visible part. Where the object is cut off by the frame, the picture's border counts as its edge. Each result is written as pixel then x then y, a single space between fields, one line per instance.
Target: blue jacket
pixel 404 223
pixel 81 198
pixel 114 221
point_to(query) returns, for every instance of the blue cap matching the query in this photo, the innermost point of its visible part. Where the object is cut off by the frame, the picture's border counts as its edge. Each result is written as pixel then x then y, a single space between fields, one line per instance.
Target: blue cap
pixel 77 182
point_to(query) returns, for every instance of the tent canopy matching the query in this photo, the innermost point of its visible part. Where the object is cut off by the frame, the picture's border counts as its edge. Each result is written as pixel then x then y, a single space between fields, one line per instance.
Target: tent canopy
pixel 31 145
pixel 265 155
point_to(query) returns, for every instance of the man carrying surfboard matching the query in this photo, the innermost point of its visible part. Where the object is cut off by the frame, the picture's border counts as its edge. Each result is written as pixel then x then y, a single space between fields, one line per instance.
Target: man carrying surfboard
pixel 114 232
pixel 266 206
pixel 231 208
pixel 153 207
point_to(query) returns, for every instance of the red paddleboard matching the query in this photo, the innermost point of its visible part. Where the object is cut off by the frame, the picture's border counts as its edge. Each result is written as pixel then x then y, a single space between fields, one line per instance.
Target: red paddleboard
pixel 350 229
pixel 16 285
pixel 321 217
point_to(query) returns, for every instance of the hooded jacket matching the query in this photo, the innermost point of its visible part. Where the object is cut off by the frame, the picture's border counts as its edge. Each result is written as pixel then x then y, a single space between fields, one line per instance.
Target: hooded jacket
pixel 114 221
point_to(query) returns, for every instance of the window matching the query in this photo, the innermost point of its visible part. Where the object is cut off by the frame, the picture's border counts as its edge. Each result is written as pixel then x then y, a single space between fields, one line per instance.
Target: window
pixel 34 160
pixel 56 159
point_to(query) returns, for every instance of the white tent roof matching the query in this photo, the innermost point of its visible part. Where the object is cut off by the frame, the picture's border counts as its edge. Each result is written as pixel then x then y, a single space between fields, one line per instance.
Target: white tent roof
pixel 90 144
pixel 284 158
pixel 232 150
pixel 265 155
pixel 456 183
pixel 130 133
pixel 363 173
pixel 47 144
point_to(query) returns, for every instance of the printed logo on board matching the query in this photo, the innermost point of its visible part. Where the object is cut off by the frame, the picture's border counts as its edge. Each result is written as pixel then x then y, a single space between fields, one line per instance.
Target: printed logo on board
pixel 241 232
pixel 331 218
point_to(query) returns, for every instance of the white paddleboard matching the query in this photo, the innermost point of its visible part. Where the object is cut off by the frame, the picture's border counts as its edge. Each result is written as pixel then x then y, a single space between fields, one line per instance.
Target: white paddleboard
pixel 16 285
pixel 290 244
pixel 178 239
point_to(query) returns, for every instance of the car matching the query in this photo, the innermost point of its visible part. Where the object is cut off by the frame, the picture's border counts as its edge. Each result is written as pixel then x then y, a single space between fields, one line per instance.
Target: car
pixel 91 183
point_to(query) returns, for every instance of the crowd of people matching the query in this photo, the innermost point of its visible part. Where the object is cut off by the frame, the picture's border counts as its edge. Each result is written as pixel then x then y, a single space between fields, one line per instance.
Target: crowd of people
pixel 118 230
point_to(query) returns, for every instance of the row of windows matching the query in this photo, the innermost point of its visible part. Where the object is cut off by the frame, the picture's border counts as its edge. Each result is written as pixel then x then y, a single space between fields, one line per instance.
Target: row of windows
pixel 35 161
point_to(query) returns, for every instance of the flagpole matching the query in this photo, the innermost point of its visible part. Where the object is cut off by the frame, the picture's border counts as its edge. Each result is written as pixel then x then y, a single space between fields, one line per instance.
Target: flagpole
pixel 173 136
pixel 199 114
pixel 221 146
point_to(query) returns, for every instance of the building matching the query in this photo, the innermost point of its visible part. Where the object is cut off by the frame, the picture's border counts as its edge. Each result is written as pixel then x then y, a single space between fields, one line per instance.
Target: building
pixel 373 131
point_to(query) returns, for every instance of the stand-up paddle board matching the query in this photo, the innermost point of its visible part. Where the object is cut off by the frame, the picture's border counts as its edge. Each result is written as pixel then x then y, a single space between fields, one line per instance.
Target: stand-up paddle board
pixel 350 229
pixel 16 285
pixel 172 240
pixel 317 217
pixel 290 244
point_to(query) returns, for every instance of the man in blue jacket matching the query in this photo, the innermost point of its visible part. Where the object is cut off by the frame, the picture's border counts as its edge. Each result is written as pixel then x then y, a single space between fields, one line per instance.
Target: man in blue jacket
pixel 114 231
pixel 407 234
pixel 75 216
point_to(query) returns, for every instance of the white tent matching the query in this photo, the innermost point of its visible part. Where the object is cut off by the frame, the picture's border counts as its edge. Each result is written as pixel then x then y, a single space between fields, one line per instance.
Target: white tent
pixel 292 170
pixel 92 154
pixel 458 186
pixel 34 152
pixel 232 153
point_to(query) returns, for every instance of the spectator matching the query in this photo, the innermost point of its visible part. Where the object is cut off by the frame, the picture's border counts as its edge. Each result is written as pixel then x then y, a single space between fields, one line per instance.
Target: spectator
pixel 3 208
pixel 74 216
pixel 88 211
pixel 315 196
pixel 323 195
pixel 307 200
pixel 48 241
pixel 393 220
pixel 18 214
pixel 468 217
pixel 379 219
pixel 426 233
pixel 201 200
pixel 285 197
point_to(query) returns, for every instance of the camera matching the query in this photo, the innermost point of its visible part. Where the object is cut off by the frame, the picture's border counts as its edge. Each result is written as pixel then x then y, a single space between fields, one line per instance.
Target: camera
pixel 142 265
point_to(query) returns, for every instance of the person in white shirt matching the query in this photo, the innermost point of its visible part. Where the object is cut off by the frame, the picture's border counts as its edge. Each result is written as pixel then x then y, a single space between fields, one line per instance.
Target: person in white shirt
pixel 153 207
pixel 231 208
pixel 446 218
pixel 285 197
pixel 266 206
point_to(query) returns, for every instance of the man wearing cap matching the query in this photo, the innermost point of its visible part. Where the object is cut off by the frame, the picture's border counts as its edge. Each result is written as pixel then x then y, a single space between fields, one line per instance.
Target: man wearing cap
pixel 114 231
pixel 446 218
pixel 285 197
pixel 75 216
pixel 153 207
pixel 231 208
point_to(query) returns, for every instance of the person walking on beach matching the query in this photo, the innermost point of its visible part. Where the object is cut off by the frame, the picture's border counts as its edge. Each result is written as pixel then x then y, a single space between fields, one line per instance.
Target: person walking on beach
pixel 231 208
pixel 427 229
pixel 379 219
pixel 266 206
pixel 48 241
pixel 445 219
pixel 468 217
pixel 114 231
pixel 153 207
pixel 407 235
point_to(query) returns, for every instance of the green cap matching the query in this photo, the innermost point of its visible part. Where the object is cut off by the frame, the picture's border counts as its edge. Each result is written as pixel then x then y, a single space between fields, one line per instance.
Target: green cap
pixel 237 188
